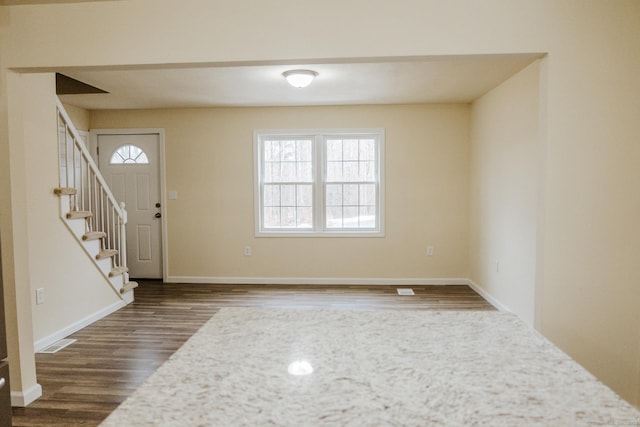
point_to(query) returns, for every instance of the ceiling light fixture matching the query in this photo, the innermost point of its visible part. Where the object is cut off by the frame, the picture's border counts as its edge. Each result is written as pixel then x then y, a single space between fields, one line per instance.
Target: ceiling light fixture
pixel 300 78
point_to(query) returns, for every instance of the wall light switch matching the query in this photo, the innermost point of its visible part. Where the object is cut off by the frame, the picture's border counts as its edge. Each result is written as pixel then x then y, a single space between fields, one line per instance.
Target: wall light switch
pixel 40 296
pixel 172 195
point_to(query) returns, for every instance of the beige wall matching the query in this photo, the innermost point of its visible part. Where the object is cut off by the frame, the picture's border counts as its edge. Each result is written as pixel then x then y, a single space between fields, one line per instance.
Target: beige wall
pixel 15 265
pixel 590 300
pixel 209 162
pixel 79 116
pixel 71 294
pixel 587 251
pixel 505 153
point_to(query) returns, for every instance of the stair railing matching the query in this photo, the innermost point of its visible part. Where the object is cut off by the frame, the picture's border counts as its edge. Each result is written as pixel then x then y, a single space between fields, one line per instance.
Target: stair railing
pixel 79 172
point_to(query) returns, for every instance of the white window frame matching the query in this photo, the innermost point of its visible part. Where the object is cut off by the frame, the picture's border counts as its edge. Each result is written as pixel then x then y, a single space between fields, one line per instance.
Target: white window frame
pixel 319 173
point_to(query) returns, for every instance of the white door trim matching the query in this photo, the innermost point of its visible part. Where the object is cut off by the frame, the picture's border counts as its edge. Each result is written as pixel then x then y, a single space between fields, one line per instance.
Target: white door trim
pixel 163 205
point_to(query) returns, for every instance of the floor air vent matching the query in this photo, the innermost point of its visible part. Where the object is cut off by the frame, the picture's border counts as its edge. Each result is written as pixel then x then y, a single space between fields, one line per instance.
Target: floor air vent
pixel 57 346
pixel 405 291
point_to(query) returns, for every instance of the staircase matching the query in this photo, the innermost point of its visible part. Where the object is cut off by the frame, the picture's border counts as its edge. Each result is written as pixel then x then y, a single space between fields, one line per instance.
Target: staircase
pixel 90 210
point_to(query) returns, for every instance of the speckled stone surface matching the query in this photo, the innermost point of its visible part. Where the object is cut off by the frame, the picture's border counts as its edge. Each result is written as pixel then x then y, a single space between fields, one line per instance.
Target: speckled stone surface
pixel 373 368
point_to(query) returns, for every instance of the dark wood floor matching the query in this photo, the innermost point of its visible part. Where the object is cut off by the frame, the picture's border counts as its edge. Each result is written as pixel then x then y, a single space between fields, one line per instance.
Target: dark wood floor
pixel 86 381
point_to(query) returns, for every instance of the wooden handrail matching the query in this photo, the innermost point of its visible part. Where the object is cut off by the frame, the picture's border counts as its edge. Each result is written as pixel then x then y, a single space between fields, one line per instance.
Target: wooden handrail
pixel 89 194
pixel 85 153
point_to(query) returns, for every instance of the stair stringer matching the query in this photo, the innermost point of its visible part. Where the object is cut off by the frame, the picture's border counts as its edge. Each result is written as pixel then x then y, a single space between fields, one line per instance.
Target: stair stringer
pixel 78 227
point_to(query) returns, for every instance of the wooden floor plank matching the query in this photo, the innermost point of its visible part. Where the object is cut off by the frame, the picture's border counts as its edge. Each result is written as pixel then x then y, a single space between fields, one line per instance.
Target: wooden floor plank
pixel 83 383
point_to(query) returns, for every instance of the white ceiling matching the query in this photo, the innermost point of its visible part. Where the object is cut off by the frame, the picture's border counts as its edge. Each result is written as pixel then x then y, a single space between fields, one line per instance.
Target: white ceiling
pixel 446 79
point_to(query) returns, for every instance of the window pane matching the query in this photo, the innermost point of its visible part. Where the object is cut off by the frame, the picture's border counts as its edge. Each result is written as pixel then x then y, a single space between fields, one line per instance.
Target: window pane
pixel 271 217
pixel 289 171
pixel 116 159
pixel 334 149
pixel 288 149
pixel 288 195
pixel 288 217
pixel 284 203
pixel 358 160
pixel 350 149
pixel 134 151
pixel 367 149
pixel 288 206
pixel 305 150
pixel 288 160
pixel 334 171
pixel 351 205
pixel 368 194
pixel 271 195
pixel 305 217
pixel 368 171
pixel 367 217
pixel 334 195
pixel 305 195
pixel 129 154
pixel 352 201
pixel 350 196
pixel 272 172
pixel 334 217
pixel 271 151
pixel 305 172
pixel 351 172
pixel 350 219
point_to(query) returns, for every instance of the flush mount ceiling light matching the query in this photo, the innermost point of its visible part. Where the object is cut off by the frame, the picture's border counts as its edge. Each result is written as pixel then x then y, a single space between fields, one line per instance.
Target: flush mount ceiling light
pixel 300 78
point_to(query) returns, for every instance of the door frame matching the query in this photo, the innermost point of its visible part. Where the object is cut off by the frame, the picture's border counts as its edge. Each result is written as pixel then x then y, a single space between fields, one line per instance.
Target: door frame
pixel 94 133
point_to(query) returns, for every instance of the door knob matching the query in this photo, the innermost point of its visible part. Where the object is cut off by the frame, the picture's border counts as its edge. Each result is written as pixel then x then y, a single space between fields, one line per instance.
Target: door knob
pixel 158 215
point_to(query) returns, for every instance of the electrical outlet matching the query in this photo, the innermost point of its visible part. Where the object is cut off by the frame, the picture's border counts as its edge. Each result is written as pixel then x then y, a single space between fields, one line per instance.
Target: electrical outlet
pixel 247 251
pixel 40 296
pixel 430 250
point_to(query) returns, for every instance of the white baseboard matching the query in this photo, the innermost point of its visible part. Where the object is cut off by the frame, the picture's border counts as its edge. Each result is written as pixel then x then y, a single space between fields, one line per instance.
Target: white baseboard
pixel 313 281
pixel 486 295
pixel 22 399
pixel 76 326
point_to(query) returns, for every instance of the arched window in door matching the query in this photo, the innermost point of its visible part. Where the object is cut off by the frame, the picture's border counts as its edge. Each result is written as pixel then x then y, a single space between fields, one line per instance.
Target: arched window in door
pixel 129 154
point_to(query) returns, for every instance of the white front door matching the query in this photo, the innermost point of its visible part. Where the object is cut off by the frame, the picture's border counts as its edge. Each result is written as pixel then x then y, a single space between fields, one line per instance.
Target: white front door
pixel 130 163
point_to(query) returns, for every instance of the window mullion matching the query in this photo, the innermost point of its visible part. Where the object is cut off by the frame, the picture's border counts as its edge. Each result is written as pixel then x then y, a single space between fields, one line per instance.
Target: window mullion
pixel 318 184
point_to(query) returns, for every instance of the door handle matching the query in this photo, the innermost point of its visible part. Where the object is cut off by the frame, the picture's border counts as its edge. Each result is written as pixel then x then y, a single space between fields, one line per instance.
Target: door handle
pixel 158 215
pixel 2 382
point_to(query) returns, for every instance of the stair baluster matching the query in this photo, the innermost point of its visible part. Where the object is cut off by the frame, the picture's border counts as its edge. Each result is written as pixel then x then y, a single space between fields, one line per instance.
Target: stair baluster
pixel 91 200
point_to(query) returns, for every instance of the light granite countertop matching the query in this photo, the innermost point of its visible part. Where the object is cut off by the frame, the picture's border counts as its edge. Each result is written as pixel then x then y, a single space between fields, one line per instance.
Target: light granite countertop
pixel 373 368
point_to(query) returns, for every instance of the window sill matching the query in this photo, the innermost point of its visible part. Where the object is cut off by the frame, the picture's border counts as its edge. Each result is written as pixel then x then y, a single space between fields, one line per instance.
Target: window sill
pixel 348 234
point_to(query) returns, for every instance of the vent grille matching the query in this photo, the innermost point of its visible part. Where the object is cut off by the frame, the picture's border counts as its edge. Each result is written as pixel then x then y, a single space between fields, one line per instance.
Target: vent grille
pixel 57 346
pixel 405 291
